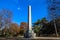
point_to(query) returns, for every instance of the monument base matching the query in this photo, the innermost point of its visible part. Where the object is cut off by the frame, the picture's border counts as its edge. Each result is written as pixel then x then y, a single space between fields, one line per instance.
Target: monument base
pixel 32 34
pixel 29 34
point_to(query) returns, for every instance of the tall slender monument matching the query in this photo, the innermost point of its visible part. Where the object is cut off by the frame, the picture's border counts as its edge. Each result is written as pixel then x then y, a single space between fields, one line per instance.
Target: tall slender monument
pixel 30 22
pixel 28 33
pixel 31 32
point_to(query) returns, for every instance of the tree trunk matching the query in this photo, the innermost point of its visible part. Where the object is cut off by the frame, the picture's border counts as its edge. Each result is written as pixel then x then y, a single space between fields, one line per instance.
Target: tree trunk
pixel 55 28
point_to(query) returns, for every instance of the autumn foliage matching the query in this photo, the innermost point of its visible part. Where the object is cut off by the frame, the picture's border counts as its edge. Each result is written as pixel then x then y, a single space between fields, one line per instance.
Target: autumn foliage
pixel 13 28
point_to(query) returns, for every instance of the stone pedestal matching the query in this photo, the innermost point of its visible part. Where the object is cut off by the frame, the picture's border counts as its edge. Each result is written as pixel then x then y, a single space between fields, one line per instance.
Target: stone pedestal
pixel 33 34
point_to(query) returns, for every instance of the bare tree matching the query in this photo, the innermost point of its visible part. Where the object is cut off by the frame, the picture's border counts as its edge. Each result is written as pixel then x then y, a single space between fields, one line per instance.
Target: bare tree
pixel 5 17
pixel 54 11
pixel 53 15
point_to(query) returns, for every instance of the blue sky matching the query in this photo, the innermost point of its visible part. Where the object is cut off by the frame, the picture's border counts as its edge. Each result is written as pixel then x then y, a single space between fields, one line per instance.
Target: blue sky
pixel 19 9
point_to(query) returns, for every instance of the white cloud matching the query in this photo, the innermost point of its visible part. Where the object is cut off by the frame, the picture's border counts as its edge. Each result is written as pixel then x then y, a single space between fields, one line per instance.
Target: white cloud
pixel 18 8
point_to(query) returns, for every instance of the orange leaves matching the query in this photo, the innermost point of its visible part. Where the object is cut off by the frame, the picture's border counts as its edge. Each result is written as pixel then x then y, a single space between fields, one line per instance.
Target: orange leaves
pixel 24 25
pixel 14 28
pixel 21 28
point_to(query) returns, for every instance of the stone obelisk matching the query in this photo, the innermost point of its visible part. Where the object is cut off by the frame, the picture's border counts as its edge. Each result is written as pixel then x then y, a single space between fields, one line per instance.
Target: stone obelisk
pixel 31 32
pixel 30 22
